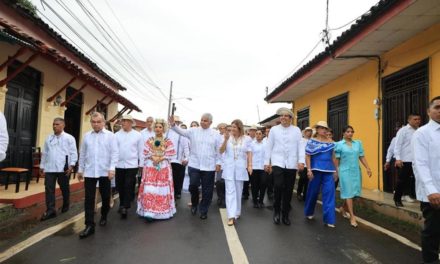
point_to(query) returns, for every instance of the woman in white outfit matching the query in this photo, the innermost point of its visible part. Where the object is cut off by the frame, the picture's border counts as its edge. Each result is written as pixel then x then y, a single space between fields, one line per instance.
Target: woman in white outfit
pixel 237 163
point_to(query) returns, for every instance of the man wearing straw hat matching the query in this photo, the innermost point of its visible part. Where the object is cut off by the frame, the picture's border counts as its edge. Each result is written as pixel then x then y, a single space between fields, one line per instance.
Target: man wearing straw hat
pixel 130 146
pixel 284 156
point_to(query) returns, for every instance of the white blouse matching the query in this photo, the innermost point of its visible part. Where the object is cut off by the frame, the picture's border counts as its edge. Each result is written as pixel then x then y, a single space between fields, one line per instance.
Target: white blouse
pixel 235 159
pixel 258 149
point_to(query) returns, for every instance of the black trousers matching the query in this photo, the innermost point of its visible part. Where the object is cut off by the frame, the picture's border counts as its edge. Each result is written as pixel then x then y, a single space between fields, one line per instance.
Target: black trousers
pixel 125 184
pixel 258 179
pixel 49 184
pixel 245 193
pixel 430 233
pixel 303 183
pixel 284 181
pixel 89 202
pixel 178 176
pixel 270 185
pixel 206 178
pixel 404 181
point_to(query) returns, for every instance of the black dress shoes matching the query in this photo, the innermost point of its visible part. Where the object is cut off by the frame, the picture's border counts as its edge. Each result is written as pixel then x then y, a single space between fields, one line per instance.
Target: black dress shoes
pixel 398 203
pixel 286 220
pixel 103 221
pixel 194 210
pixel 90 230
pixel 123 213
pixel 47 216
pixel 178 196
pixel 276 218
pixel 203 216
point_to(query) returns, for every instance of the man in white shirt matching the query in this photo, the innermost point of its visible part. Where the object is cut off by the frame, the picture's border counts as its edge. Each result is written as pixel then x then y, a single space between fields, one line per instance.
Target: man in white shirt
pixel 4 137
pixel 178 164
pixel 426 147
pixel 148 131
pixel 404 157
pixel 284 155
pixel 98 157
pixel 251 133
pixel 130 147
pixel 219 181
pixel 303 181
pixel 58 159
pixel 204 161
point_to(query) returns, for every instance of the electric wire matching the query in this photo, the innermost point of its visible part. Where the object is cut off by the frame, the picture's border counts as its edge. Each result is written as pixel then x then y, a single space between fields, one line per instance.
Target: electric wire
pixel 69 11
pixel 110 65
pixel 94 50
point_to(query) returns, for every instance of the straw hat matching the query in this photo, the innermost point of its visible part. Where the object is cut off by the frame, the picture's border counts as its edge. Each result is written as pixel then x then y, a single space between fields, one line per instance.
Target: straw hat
pixel 321 124
pixel 253 127
pixel 177 119
pixel 128 117
pixel 308 128
pixel 285 111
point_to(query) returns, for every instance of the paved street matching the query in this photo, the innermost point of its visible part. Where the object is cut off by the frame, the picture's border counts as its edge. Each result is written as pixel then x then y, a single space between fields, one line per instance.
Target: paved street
pixel 187 239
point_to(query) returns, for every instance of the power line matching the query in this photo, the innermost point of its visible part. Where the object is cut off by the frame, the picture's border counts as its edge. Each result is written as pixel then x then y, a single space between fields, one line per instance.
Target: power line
pixel 128 36
pixel 89 45
pixel 121 44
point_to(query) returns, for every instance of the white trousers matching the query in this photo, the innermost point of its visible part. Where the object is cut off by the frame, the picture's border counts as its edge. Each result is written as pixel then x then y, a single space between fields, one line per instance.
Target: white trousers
pixel 234 191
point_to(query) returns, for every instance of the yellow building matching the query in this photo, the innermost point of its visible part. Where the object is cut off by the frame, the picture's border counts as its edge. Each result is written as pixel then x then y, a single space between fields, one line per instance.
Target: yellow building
pixel 383 68
pixel 42 76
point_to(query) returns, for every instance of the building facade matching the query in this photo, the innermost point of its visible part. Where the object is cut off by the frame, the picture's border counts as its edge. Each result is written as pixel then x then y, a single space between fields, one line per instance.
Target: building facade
pixel 372 77
pixel 42 76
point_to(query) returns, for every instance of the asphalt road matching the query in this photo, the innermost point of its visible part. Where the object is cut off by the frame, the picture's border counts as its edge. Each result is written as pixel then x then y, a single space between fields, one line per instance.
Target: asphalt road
pixel 187 239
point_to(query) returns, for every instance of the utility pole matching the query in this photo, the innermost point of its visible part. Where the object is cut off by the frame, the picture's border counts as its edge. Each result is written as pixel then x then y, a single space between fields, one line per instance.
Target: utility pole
pixel 258 111
pixel 170 99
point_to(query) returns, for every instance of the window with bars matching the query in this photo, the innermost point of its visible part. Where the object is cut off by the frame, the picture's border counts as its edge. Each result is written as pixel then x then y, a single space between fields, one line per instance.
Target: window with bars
pixel 303 118
pixel 337 114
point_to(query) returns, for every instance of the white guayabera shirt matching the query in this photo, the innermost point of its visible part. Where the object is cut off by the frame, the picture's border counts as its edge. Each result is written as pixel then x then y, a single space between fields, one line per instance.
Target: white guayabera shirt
pixel 98 154
pixel 284 147
pixel 55 150
pixel 4 137
pixel 204 149
pixel 426 147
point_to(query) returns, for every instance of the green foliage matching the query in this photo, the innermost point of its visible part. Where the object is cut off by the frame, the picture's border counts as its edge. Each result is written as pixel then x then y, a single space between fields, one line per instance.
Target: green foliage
pixel 28 5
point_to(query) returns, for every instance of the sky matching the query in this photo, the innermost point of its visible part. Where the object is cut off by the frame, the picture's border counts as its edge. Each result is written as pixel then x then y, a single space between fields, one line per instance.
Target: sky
pixel 221 54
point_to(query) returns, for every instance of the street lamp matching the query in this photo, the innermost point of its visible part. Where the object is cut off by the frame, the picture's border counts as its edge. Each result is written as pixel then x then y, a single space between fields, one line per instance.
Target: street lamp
pixel 171 99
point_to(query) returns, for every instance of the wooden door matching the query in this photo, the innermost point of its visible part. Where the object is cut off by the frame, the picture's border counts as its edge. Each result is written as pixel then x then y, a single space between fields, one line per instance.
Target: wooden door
pixel 404 92
pixel 337 114
pixel 21 112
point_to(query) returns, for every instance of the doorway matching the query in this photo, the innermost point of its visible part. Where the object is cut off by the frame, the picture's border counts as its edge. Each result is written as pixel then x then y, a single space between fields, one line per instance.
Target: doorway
pixel 21 112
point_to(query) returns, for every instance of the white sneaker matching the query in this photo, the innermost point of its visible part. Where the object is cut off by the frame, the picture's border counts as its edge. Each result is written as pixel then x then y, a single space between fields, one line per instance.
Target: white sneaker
pixel 409 199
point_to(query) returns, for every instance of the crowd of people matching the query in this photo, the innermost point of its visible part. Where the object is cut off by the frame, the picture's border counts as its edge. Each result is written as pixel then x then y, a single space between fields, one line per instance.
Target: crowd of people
pixel 230 158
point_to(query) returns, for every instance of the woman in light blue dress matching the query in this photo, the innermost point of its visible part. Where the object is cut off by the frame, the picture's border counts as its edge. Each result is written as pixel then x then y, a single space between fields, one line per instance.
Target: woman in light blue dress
pixel 348 154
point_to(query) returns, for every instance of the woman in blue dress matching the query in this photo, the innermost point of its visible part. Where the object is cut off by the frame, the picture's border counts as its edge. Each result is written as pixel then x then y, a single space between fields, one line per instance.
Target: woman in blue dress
pixel 321 171
pixel 348 153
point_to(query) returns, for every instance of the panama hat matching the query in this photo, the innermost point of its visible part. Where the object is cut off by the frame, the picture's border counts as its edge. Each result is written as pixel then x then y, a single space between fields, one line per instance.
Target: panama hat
pixel 285 111
pixel 321 124
pixel 128 117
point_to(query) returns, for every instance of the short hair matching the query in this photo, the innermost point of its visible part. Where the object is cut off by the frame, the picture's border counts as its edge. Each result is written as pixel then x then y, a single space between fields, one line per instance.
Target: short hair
pixel 59 119
pixel 431 103
pixel 413 114
pixel 207 115
pixel 97 114
pixel 183 125
pixel 239 125
pixel 150 117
